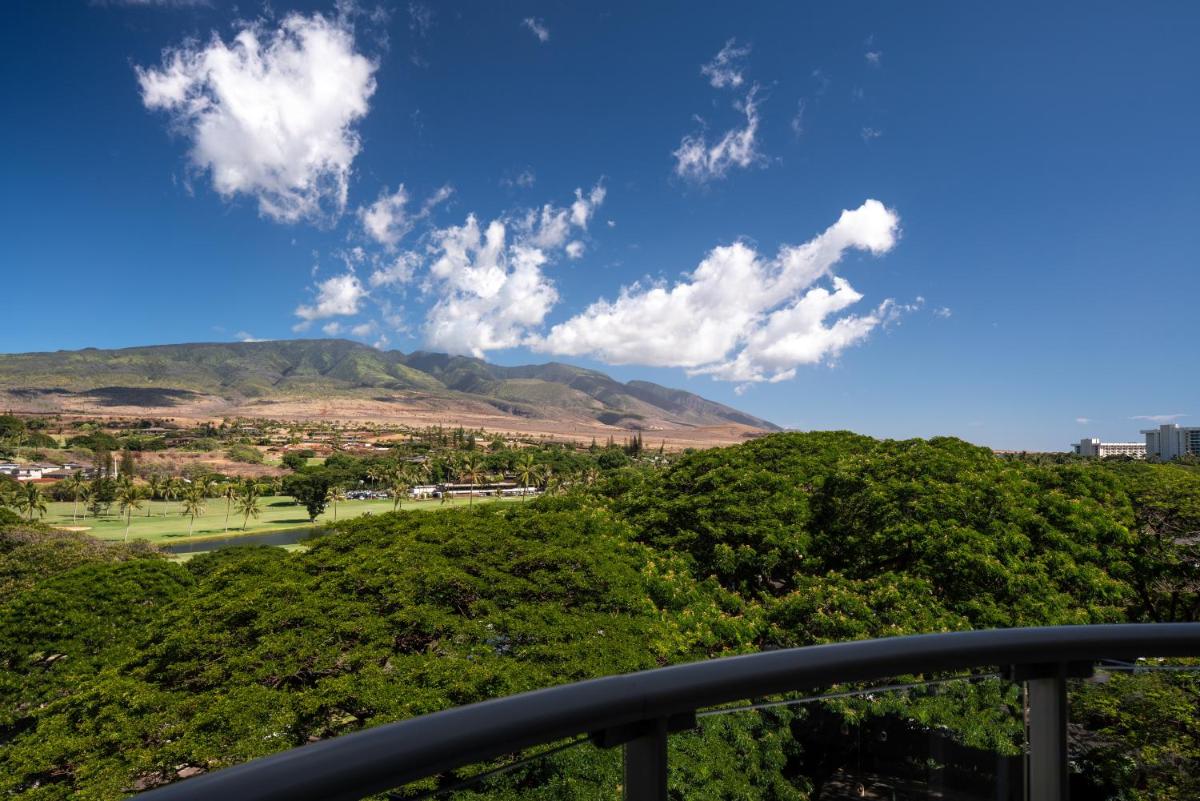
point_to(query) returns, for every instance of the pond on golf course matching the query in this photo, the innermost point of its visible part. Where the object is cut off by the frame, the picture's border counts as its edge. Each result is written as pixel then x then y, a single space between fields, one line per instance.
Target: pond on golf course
pixel 289 536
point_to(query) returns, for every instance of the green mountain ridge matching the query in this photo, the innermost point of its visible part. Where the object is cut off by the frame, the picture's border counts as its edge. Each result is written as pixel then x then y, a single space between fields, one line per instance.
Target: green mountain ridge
pixel 338 367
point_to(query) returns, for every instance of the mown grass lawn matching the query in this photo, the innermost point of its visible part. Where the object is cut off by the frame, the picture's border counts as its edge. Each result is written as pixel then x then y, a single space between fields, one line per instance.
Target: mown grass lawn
pixel 277 512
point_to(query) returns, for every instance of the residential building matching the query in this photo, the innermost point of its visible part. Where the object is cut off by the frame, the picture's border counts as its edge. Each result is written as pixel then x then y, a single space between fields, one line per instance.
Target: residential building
pixel 1094 447
pixel 34 472
pixel 39 471
pixel 1171 441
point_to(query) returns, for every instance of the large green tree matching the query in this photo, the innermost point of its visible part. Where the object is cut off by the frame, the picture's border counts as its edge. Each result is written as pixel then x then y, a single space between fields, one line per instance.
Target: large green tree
pixel 310 488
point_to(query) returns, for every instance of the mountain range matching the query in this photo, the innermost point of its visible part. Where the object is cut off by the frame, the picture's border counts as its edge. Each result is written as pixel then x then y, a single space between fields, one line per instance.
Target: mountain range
pixel 344 379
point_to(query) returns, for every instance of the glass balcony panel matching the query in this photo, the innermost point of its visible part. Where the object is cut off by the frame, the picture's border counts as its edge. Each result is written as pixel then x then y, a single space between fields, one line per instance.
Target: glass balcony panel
pixel 1134 731
pixel 956 739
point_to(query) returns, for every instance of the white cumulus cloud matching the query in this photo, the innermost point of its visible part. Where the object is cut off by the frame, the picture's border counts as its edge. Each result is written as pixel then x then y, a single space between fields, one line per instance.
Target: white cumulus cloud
pixel 740 316
pixel 270 114
pixel 727 69
pixel 492 290
pixel 339 295
pixel 490 281
pixel 700 160
pixel 386 220
pixel 397 272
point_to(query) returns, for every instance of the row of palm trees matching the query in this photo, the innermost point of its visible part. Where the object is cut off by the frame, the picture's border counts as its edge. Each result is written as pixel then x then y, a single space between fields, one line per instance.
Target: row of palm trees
pixel 241 496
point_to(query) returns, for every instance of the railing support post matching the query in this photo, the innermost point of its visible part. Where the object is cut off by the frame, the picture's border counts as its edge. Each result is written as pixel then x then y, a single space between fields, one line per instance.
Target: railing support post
pixel 646 764
pixel 1048 777
pixel 1048 739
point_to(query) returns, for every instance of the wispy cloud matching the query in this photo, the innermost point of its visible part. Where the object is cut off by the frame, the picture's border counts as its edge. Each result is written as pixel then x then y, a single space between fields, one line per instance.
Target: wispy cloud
pixel 538 27
pixel 822 80
pixel 1083 421
pixel 523 179
pixel 727 69
pixel 420 19
pixel 699 160
pixel 874 57
pixel 870 134
pixel 797 123
pixel 1158 418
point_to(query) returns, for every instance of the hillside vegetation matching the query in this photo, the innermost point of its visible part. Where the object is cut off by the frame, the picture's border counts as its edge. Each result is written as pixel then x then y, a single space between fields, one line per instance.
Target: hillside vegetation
pixel 168 375
pixel 120 670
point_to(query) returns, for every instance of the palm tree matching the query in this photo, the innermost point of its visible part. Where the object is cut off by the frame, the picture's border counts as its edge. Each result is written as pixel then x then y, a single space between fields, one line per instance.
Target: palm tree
pixel 154 485
pixel 171 489
pixel 527 472
pixel 193 504
pixel 378 473
pixel 471 469
pixel 247 503
pixel 229 491
pixel 84 493
pixel 129 498
pixel 399 484
pixel 205 483
pixel 75 485
pixel 335 494
pixel 30 501
pixel 550 481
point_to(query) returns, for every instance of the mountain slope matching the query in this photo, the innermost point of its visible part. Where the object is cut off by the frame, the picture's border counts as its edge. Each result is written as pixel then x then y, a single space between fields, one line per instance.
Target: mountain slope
pixel 333 372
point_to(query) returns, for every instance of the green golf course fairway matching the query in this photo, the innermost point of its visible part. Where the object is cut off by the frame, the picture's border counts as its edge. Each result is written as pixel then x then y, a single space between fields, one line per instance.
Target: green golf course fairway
pixel 165 524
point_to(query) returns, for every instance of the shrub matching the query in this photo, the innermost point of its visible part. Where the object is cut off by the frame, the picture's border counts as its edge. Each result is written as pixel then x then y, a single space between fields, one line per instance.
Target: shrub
pixel 244 453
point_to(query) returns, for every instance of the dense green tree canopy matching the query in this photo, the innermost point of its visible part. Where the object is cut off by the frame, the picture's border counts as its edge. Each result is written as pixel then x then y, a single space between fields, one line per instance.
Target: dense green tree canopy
pixel 120 670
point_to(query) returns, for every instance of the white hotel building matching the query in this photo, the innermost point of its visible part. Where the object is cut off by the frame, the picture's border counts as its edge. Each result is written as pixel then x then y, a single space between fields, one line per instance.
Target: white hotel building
pixel 1098 449
pixel 1172 441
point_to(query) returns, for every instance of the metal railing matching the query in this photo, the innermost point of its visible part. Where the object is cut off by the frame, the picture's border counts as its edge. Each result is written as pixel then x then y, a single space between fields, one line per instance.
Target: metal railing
pixel 640 711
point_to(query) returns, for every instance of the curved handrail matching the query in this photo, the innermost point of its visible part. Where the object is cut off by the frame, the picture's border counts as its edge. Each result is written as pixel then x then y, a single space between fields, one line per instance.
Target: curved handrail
pixel 373 760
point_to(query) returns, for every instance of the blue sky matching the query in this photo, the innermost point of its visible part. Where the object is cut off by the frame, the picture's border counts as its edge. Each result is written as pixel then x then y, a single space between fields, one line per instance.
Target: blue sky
pixel 1018 256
